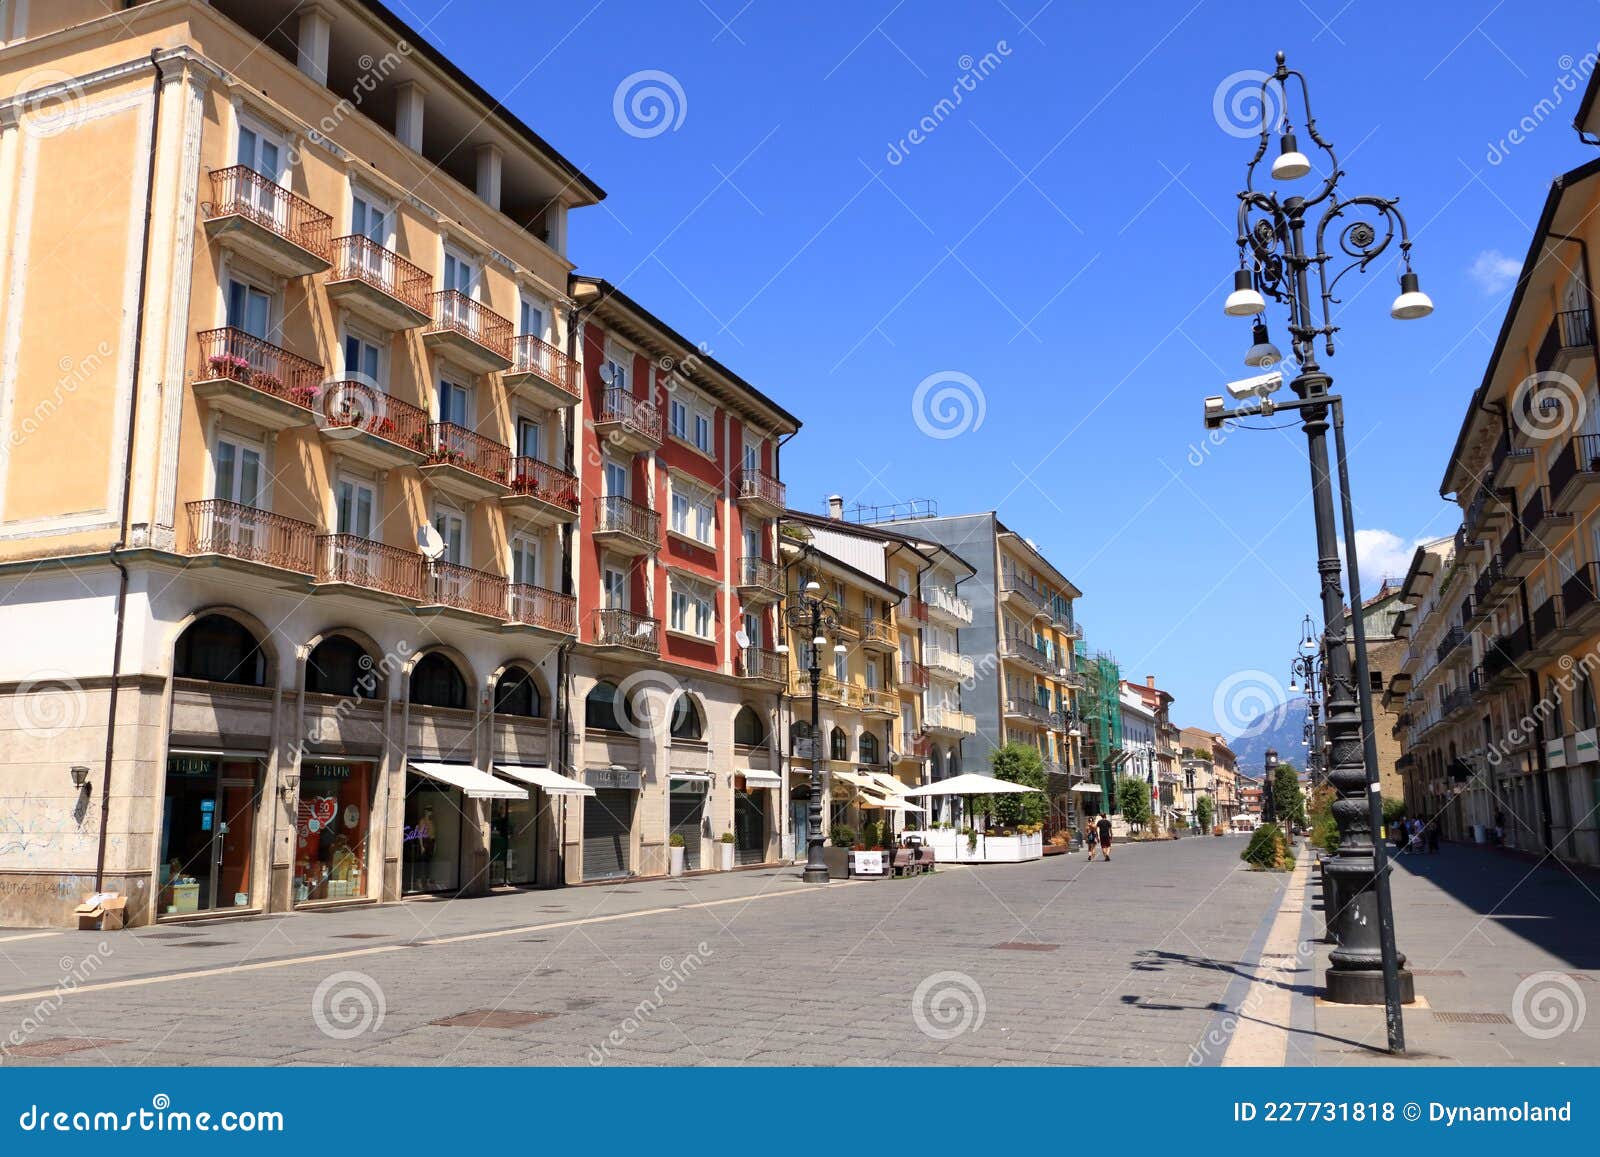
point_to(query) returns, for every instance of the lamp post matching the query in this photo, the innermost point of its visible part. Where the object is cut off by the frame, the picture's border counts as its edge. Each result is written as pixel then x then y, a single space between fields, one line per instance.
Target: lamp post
pixel 815 612
pixel 1275 262
pixel 1269 805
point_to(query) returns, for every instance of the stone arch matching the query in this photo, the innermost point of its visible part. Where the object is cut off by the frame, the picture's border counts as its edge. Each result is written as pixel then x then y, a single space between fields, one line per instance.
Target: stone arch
pixel 259 632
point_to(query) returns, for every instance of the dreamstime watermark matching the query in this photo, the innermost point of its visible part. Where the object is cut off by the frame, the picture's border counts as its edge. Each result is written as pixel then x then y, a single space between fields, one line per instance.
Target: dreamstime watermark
pixel 675 974
pixel 51 102
pixel 348 1004
pixel 74 373
pixel 75 971
pixel 1548 404
pixel 1573 79
pixel 1547 1005
pixel 371 675
pixel 374 71
pixel 974 71
pixel 1246 702
pixel 948 404
pixel 947 1005
pixel 648 103
pixel 1243 102
pixel 1548 705
pixel 49 703
pixel 1271 973
pixel 647 702
pixel 1199 454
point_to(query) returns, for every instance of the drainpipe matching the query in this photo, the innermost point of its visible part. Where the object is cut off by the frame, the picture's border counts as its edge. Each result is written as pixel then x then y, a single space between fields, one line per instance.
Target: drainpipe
pixel 563 723
pixel 127 472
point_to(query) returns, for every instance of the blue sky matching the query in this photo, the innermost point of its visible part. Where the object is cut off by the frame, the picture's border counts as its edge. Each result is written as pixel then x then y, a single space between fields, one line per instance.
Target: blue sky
pixel 1062 239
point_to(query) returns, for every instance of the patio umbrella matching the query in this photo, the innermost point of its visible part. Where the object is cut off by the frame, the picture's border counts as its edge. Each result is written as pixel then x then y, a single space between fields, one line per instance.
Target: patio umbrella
pixel 968 785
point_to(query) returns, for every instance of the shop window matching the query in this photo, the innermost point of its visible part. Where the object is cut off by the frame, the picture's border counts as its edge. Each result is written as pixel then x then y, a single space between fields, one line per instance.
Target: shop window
pixel 869 747
pixel 220 650
pixel 437 682
pixel 838 744
pixel 600 708
pixel 800 732
pixel 748 729
pixel 517 694
pixel 331 825
pixel 341 666
pixel 687 720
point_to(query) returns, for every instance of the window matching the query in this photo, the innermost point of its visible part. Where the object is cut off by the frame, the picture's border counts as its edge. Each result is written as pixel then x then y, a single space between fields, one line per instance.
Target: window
pixel 752 457
pixel 748 729
pixel 678 418
pixel 1375 680
pixel 452 529
pixel 600 708
pixel 249 309
pixel 869 747
pixel 689 420
pixel 799 738
pixel 702 433
pixel 615 589
pixel 616 479
pixel 530 439
pixel 692 512
pixel 437 682
pixel 341 666
pixel 838 744
pixel 454 403
pixel 459 273
pixel 841 666
pixel 525 561
pixel 531 316
pixel 691 608
pixel 369 219
pixel 363 360
pixel 688 722
pixel 355 502
pixel 238 469
pixel 259 149
pixel 517 694
pixel 220 650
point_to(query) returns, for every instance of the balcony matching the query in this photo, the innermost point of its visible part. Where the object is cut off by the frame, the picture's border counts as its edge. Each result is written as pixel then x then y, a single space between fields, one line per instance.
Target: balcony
pixel 913 675
pixel 614 627
pixel 1020 710
pixel 948 721
pixel 1015 591
pixel 371 427
pixel 829 689
pixel 627 423
pixel 761 494
pixel 1570 336
pixel 542 374
pixel 1575 474
pixel 1548 623
pixel 379 285
pixel 951 665
pixel 877 701
pixel 1453 638
pixel 1540 520
pixel 466 465
pixel 1500 658
pixel 255 381
pixel 541 494
pixel 260 219
pixel 1021 650
pixel 762 665
pixel 1580 597
pixel 1487 512
pixel 1519 555
pixel 1491 583
pixel 879 634
pixel 760 581
pixel 532 606
pixel 1456 702
pixel 1510 464
pixel 452 586
pixel 913 610
pixel 469 333
pixel 228 530
pixel 948 609
pixel 346 561
pixel 625 527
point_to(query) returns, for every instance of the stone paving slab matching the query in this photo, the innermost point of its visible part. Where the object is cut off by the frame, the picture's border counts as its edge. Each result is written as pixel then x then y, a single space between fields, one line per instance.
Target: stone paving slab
pixel 770 972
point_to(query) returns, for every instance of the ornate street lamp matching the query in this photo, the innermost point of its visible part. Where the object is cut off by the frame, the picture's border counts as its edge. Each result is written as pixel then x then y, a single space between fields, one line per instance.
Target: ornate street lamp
pixel 1276 264
pixel 811 608
pixel 1269 805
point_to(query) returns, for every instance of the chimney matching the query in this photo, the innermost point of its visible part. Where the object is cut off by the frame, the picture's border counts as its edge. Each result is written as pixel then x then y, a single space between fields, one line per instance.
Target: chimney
pixel 1150 681
pixel 835 506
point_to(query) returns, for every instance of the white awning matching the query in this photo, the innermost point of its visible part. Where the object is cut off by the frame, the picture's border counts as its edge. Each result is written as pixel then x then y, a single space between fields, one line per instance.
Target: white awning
pixel 546 779
pixel 851 778
pixel 970 784
pixel 894 804
pixel 888 783
pixel 473 783
pixel 1094 787
pixel 757 777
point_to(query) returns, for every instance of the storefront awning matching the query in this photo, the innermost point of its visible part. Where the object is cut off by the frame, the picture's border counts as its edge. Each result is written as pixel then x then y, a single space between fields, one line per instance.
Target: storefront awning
pixel 887 783
pixel 1091 787
pixel 851 778
pixel 546 779
pixel 474 784
pixel 892 803
pixel 756 777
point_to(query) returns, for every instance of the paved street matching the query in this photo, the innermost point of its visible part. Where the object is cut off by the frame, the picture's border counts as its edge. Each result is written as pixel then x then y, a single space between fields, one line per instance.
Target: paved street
pixel 1140 961
pixel 1058 961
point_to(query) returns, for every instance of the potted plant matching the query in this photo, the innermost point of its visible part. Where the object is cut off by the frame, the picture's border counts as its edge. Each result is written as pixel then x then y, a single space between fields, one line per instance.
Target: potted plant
pixel 676 850
pixel 725 852
pixel 837 854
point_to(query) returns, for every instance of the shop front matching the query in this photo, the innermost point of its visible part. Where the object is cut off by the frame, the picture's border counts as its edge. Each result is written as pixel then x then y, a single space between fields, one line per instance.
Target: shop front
pixel 608 819
pixel 753 793
pixel 686 814
pixel 333 831
pixel 518 826
pixel 209 813
pixel 437 826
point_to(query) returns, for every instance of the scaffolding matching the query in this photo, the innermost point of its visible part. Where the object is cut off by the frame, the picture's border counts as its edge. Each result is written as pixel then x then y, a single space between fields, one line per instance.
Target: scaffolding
pixel 1100 719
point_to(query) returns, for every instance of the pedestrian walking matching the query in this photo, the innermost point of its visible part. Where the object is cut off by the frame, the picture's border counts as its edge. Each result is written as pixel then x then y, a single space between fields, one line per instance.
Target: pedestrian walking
pixel 1432 837
pixel 1105 837
pixel 1088 836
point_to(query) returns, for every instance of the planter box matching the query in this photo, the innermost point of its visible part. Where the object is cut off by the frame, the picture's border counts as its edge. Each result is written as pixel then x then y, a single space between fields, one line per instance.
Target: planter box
pixel 724 857
pixel 838 861
pixel 676 861
pixel 1011 849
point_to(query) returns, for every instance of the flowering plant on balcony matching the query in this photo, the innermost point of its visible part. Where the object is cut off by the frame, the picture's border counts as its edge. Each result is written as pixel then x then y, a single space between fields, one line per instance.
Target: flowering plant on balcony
pixel 303 395
pixel 266 382
pixel 230 366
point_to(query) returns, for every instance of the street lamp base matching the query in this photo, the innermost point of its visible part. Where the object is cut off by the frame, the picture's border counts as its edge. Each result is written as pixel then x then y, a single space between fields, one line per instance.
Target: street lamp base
pixel 814 876
pixel 1363 986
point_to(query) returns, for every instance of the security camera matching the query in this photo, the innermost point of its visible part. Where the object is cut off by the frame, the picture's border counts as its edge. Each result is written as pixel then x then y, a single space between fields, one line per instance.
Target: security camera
pixel 1260 386
pixel 1216 410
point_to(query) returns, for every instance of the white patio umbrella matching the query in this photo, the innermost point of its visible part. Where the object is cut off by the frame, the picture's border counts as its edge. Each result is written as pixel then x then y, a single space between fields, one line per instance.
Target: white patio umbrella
pixel 970 784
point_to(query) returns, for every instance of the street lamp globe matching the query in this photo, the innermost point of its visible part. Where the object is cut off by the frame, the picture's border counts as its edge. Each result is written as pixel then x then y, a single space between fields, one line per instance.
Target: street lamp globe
pixel 1262 353
pixel 1412 302
pixel 1291 164
pixel 1244 301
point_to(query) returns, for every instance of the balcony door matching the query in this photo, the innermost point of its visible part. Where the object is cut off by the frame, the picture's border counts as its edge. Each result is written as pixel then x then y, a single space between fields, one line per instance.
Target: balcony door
pixel 454 404
pixel 531 319
pixel 238 481
pixel 356 559
pixel 363 360
pixel 616 479
pixel 249 309
pixel 460 275
pixel 525 561
pixel 370 220
pixel 614 588
pixel 530 439
pixel 261 151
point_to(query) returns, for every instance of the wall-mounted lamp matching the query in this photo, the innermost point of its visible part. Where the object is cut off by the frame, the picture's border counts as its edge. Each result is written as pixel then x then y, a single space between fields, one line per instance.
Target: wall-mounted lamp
pixel 289 786
pixel 80 777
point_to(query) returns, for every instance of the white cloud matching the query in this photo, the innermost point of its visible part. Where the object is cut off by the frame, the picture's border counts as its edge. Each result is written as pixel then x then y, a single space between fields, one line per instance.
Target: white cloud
pixel 1494 271
pixel 1382 554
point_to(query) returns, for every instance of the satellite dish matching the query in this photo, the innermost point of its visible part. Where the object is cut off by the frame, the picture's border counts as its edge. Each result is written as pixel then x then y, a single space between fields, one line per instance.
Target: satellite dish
pixel 644 630
pixel 894 756
pixel 429 542
pixel 741 638
pixel 607 374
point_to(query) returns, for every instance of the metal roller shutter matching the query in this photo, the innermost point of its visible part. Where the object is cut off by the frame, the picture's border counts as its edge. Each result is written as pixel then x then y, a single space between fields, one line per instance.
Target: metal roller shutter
pixel 688 809
pixel 750 827
pixel 607 826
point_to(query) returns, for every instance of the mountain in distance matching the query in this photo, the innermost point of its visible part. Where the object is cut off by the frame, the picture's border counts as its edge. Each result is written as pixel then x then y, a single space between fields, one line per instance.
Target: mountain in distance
pixel 1280 729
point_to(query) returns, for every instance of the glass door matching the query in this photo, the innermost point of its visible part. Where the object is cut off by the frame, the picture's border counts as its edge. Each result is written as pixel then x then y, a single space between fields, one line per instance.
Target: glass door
pixel 208 833
pixel 238 484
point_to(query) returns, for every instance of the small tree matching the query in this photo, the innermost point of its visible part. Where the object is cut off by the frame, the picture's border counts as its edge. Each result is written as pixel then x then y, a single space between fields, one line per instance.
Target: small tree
pixel 1202 813
pixel 1268 850
pixel 1287 797
pixel 1133 800
pixel 1021 764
